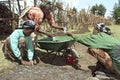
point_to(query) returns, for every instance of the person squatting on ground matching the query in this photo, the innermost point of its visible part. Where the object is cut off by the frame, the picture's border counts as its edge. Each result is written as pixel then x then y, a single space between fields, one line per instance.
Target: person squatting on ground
pixel 18 46
pixel 101 55
pixel 106 43
pixel 38 15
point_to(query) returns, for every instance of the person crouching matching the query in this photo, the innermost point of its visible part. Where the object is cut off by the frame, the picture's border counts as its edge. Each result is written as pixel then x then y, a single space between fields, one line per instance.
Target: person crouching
pixel 18 46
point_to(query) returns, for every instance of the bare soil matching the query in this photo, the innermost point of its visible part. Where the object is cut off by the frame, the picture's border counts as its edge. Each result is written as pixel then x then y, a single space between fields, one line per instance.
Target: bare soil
pixel 55 67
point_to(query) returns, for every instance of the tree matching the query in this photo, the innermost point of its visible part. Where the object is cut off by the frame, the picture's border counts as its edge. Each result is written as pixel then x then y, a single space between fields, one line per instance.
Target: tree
pixel 9 4
pixel 116 12
pixel 25 3
pixel 19 6
pixel 98 10
pixel 74 9
pixel 35 2
pixel 119 3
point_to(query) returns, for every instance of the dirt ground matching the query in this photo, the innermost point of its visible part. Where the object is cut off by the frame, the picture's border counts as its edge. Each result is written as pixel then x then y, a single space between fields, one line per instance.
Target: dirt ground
pixel 54 67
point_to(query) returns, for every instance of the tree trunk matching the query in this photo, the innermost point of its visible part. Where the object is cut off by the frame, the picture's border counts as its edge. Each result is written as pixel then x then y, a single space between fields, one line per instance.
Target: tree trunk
pixel 19 6
pixel 25 3
pixel 35 2
pixel 9 4
pixel 13 26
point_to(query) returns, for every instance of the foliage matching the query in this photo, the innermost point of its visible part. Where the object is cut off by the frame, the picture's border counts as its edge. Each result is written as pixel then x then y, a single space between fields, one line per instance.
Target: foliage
pixel 98 10
pixel 74 9
pixel 6 17
pixel 74 20
pixel 116 13
pixel 71 18
pixel 115 30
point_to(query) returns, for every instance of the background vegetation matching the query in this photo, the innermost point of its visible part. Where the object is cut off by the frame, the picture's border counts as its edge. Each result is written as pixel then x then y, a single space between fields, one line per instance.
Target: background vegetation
pixel 64 16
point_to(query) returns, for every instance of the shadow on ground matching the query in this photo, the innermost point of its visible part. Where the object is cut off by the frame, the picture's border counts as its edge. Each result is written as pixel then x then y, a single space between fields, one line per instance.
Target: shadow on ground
pixel 53 59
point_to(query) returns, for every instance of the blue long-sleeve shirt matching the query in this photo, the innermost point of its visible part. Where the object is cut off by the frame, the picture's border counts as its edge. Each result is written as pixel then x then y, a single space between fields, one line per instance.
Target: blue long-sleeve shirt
pixel 14 38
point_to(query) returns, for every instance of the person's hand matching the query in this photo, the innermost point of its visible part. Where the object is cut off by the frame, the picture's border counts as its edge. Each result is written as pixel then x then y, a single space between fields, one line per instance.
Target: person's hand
pixel 26 62
pixel 36 28
pixel 23 62
pixel 65 29
pixel 62 28
pixel 31 62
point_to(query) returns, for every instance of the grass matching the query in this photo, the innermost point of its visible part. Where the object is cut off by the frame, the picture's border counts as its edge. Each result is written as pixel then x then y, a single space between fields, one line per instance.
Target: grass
pixel 115 30
pixel 5 64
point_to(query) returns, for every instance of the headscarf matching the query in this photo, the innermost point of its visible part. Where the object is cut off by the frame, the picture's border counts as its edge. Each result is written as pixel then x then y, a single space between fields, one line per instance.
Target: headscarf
pixel 103 28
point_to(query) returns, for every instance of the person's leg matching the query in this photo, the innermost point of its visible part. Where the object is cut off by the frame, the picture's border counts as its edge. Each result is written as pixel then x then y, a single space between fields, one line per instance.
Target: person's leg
pixel 22 47
pixel 102 57
pixel 7 50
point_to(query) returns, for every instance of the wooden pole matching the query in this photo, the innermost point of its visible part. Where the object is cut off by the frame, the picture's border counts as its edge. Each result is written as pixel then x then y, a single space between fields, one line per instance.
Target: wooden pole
pixel 19 6
pixel 13 26
pixel 35 2
pixel 25 3
pixel 9 4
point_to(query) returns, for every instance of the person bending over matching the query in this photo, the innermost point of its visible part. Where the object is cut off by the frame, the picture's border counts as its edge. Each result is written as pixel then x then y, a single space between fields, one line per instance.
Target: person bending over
pixel 39 15
pixel 106 43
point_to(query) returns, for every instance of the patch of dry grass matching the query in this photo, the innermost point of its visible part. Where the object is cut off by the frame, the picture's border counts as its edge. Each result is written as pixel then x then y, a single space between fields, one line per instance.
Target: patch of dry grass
pixel 115 30
pixel 4 64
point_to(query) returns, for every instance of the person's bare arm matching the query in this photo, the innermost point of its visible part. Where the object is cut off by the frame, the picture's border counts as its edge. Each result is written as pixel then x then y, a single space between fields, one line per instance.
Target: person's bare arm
pixel 52 23
pixel 46 33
